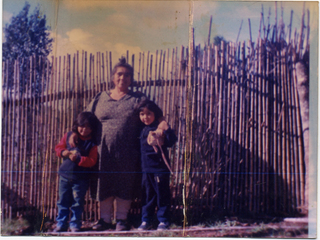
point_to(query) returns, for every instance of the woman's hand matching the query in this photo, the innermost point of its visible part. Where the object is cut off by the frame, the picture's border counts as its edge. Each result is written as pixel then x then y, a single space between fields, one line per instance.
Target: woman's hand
pixel 73 140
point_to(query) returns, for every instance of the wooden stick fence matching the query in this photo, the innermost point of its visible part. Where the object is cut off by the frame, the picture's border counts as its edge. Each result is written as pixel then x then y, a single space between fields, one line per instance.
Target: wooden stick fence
pixel 246 146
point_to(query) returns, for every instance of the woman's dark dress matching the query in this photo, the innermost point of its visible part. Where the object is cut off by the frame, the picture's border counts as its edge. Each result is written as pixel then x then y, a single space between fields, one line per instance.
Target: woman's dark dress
pixel 119 155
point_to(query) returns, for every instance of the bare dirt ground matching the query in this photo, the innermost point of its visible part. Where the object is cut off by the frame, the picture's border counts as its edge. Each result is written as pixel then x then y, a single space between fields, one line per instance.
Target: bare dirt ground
pixel 287 228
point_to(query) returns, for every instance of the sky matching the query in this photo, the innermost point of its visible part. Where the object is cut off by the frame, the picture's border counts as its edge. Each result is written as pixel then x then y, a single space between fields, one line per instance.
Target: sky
pixel 142 26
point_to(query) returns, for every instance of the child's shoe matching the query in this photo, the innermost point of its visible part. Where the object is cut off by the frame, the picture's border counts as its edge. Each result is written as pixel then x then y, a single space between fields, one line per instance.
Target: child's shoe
pixel 163 226
pixel 60 229
pixel 144 226
pixel 121 225
pixel 75 229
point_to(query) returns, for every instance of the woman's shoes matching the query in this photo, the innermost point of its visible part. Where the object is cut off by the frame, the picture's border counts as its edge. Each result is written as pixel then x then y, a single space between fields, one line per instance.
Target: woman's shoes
pixel 101 225
pixel 121 225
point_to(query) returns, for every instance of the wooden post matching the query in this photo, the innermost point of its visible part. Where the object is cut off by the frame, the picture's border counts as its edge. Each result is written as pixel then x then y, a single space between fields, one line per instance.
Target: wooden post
pixel 110 72
pixel 248 125
pixel 240 190
pixel 53 130
pixel 166 87
pixel 139 73
pixel 267 126
pixel 5 141
pixel 251 123
pixel 151 83
pixel 227 107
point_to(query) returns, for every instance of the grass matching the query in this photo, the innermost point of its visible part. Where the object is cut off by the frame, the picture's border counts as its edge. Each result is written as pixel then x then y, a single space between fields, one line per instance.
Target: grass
pixel 31 223
pixel 225 227
pixel 14 226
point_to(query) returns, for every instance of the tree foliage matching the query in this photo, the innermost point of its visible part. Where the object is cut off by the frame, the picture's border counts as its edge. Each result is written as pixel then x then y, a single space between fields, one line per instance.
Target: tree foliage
pixel 26 35
pixel 26 38
pixel 218 39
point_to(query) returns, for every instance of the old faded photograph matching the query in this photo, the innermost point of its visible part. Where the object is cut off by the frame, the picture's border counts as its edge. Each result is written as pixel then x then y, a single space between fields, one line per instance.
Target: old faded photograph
pixel 159 118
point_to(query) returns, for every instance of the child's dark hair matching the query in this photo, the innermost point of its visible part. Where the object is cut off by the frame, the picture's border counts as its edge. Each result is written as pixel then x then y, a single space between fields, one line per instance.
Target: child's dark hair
pixel 152 107
pixel 86 118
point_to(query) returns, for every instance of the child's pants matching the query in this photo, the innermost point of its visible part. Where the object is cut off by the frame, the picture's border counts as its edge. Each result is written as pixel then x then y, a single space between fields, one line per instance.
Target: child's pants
pixel 156 192
pixel 121 209
pixel 71 197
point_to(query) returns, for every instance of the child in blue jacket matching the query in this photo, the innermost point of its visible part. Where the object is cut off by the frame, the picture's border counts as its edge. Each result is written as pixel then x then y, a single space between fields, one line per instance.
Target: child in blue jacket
pixel 155 169
pixel 74 172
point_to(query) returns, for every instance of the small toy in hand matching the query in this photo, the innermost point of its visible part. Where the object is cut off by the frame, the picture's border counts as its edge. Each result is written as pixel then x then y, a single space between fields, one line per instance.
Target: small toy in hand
pixel 155 138
pixel 74 153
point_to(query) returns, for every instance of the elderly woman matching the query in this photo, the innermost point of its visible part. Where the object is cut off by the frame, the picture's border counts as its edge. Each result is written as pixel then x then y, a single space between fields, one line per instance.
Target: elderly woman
pixel 119 149
pixel 119 164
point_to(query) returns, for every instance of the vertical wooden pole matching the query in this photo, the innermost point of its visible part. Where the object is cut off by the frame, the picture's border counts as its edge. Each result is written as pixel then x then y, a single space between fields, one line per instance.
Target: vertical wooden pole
pixel 5 151
pixel 155 78
pixel 53 130
pixel 267 127
pixel 179 111
pixel 227 110
pixel 139 73
pixel 220 123
pixel 166 86
pixel 247 129
pixel 300 148
pixel 143 80
pixel 13 120
pixel 147 77
pixel 275 132
pixel 161 80
pixel 24 133
pixel 19 138
pixel 150 79
pixel 260 160
pixel 132 63
pixel 187 159
pixel 33 162
pixel 251 145
pixel 242 130
pixel 107 80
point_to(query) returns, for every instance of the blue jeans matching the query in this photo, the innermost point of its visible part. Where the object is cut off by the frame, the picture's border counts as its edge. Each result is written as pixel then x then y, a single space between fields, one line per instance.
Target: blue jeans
pixel 71 196
pixel 156 192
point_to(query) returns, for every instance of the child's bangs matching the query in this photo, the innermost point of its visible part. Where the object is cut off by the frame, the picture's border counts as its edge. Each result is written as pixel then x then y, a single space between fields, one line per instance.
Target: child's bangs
pixel 84 122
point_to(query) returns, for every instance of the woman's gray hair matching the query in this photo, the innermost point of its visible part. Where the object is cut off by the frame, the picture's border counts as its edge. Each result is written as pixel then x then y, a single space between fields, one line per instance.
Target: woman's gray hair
pixel 122 63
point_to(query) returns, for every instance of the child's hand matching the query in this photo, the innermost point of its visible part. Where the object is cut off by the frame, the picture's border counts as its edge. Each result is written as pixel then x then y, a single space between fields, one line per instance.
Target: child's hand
pixel 158 132
pixel 65 153
pixel 73 139
pixel 73 155
pixel 155 138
